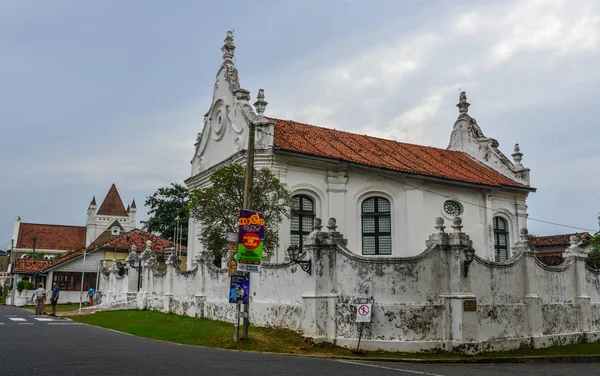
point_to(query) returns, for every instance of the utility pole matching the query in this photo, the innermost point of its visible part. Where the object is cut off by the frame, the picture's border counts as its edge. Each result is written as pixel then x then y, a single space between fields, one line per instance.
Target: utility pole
pixel 260 106
pixel 248 188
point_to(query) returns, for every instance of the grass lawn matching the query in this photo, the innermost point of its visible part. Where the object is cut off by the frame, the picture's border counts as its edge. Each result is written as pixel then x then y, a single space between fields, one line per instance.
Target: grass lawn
pixel 219 334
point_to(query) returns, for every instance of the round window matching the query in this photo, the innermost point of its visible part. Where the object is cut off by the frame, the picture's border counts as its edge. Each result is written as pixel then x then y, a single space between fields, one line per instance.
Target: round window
pixel 452 208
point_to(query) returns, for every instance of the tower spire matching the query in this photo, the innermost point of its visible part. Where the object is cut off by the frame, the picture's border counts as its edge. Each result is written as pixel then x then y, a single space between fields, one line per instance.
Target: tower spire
pixel 518 157
pixel 463 105
pixel 228 47
pixel 261 104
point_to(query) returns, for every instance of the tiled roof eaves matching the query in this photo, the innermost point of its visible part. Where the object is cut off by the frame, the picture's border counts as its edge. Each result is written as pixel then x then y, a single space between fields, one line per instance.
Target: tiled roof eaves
pixel 389 155
pixel 356 149
pixel 407 174
pixel 375 148
pixel 308 142
pixel 428 166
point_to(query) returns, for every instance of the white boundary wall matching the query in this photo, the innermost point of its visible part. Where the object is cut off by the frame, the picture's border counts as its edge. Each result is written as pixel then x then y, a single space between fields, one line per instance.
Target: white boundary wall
pixel 418 301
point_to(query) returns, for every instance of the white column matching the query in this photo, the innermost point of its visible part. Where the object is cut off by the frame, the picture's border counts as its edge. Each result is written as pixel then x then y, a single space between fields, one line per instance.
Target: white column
pixel 489 225
pixel 413 222
pixel 336 199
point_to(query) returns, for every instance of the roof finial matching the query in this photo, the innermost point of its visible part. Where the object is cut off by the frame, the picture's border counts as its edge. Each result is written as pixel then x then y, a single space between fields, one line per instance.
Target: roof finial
pixel 93 203
pixel 228 47
pixel 518 157
pixel 260 104
pixel 463 105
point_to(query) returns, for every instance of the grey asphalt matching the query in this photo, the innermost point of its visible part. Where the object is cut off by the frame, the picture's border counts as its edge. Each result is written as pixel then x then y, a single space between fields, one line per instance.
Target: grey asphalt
pixel 29 346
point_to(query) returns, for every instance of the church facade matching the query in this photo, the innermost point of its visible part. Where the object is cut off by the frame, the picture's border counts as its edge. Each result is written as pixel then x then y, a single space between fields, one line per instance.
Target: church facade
pixel 383 193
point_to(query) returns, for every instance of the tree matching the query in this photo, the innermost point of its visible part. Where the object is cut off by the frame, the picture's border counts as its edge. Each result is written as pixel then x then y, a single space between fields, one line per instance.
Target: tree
pixel 167 205
pixel 593 258
pixel 217 207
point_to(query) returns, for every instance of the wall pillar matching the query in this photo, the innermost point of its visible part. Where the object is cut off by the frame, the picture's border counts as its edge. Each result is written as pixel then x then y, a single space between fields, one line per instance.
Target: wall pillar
pixel 200 302
pixel 319 303
pixel 582 298
pixel 531 299
pixel 168 292
pixel 462 329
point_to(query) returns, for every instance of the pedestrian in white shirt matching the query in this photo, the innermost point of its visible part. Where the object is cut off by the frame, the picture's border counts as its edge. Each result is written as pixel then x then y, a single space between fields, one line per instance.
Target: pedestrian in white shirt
pixel 39 296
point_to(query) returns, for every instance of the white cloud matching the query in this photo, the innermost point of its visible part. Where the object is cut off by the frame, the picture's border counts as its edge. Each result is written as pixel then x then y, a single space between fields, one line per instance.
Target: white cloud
pixel 510 57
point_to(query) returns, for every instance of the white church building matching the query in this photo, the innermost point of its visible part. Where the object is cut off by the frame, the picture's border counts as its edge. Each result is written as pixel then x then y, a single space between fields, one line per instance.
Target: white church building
pixel 383 193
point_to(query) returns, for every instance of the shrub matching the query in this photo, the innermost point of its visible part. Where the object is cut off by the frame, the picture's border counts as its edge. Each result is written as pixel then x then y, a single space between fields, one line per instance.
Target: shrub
pixel 25 285
pixel 593 258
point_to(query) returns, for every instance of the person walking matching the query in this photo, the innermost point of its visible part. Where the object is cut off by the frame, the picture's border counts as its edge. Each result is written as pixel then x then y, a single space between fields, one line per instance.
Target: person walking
pixel 54 298
pixel 40 297
pixel 91 293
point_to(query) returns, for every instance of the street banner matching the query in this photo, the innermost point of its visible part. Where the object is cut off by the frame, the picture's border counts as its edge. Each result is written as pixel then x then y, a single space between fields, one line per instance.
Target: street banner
pixel 233 259
pixel 239 289
pixel 251 240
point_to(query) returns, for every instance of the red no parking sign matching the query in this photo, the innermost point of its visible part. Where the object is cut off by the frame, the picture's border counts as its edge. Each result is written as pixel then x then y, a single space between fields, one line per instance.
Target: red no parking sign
pixel 363 313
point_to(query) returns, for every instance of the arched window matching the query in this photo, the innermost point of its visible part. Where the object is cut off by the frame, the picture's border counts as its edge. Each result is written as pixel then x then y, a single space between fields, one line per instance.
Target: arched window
pixel 376 227
pixel 303 219
pixel 500 239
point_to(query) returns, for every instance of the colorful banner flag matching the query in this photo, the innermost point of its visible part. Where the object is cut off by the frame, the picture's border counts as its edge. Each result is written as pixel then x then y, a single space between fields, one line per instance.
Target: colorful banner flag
pixel 233 259
pixel 251 240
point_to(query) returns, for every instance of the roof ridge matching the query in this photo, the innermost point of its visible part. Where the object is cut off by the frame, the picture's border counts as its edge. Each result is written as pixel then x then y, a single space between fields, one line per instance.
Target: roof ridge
pixel 365 135
pixel 49 224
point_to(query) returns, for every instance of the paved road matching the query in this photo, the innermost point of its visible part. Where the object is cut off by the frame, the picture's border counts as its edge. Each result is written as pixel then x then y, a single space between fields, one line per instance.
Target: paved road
pixel 34 345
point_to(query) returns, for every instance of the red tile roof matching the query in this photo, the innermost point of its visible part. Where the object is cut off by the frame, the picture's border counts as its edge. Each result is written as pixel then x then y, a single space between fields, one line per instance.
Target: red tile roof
pixel 554 240
pixel 112 204
pixel 124 241
pixel 139 238
pixel 58 237
pixel 551 258
pixel 291 136
pixel 31 265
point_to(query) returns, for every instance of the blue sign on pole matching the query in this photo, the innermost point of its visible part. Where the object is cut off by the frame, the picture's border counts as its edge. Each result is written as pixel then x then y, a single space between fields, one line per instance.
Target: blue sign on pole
pixel 240 289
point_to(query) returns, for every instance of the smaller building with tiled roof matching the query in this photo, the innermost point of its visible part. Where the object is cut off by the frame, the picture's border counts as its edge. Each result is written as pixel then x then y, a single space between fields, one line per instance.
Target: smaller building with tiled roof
pixel 558 243
pixel 67 270
pixel 47 240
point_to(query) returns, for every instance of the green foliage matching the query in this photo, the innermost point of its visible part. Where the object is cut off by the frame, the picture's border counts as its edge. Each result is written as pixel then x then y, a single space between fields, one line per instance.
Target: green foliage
pixel 34 255
pixel 25 285
pixel 58 256
pixel 217 207
pixel 168 204
pixel 593 258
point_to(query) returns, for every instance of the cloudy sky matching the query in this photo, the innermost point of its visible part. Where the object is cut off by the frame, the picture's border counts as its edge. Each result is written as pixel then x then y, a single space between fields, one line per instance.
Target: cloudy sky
pixel 100 92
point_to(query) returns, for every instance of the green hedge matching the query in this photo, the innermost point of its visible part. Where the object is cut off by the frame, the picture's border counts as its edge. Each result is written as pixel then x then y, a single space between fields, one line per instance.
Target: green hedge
pixel 25 285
